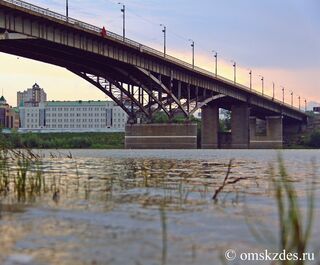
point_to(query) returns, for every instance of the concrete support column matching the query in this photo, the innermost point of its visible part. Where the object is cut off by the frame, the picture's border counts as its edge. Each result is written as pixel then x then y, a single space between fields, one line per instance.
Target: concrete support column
pixel 161 136
pixel 273 139
pixel 240 126
pixel 275 130
pixel 253 127
pixel 210 126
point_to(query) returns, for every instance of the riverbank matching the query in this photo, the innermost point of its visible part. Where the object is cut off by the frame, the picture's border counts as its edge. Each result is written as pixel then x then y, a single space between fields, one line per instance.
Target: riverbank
pixel 115 140
pixel 64 140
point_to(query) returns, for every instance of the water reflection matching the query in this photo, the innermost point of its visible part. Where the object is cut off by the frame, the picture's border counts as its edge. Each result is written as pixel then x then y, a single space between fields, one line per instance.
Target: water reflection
pixel 107 210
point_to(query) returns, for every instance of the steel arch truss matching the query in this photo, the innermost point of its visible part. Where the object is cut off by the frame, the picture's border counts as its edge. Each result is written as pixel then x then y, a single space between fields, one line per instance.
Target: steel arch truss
pixel 144 94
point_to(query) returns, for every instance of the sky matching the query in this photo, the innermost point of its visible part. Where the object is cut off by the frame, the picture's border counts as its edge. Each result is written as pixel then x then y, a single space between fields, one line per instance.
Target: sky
pixel 279 40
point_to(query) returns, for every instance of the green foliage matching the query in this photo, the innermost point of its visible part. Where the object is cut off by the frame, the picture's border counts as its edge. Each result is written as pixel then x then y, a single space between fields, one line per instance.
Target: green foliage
pixel 294 233
pixel 314 140
pixel 225 122
pixel 160 117
pixel 64 140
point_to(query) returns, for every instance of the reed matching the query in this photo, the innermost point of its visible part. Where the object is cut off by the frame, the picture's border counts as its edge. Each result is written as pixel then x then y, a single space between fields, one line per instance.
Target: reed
pixel 294 229
pixel 20 173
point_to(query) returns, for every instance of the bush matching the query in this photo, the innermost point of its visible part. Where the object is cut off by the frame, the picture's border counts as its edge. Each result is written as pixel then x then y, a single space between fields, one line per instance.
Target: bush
pixel 314 140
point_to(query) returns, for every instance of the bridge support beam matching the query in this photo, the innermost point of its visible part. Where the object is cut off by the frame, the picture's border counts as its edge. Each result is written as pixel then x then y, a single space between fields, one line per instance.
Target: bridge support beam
pixel 274 134
pixel 161 136
pixel 209 126
pixel 240 126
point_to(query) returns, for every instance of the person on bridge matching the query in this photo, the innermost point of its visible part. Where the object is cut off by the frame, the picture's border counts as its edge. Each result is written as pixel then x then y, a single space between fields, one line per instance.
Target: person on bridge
pixel 103 32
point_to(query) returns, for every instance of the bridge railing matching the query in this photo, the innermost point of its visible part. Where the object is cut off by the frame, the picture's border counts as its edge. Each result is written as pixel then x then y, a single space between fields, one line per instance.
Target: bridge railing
pixel 135 44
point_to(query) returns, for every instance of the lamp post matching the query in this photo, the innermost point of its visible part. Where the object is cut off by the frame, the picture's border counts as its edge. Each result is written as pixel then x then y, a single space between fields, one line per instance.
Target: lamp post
pixel 216 62
pixel 305 105
pixel 262 84
pixel 164 30
pixel 282 94
pixel 299 102
pixel 291 98
pixel 192 45
pixel 250 74
pixel 273 90
pixel 123 10
pixel 67 10
pixel 234 71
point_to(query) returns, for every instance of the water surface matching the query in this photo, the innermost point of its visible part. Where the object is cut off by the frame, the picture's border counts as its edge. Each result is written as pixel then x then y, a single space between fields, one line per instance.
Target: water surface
pixel 152 206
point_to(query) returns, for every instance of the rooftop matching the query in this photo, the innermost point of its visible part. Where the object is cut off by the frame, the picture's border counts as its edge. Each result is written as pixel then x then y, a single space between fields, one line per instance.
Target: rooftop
pixel 77 103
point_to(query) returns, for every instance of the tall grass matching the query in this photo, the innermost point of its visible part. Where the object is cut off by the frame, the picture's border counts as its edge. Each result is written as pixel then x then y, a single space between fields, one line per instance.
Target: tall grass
pixel 294 222
pixel 20 173
pixel 294 230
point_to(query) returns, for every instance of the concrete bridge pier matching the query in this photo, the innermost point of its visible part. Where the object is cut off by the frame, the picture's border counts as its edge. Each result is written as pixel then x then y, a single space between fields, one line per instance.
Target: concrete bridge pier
pixel 273 138
pixel 240 126
pixel 161 136
pixel 210 126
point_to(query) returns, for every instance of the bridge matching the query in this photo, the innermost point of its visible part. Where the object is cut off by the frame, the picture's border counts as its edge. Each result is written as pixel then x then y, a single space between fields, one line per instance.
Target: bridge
pixel 144 81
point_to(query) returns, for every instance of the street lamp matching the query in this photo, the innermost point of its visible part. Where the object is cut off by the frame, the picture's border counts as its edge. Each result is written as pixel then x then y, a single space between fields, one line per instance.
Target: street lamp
pixel 164 30
pixel 305 105
pixel 216 62
pixel 192 45
pixel 273 90
pixel 234 71
pixel 262 84
pixel 299 102
pixel 291 98
pixel 250 74
pixel 123 10
pixel 282 94
pixel 67 10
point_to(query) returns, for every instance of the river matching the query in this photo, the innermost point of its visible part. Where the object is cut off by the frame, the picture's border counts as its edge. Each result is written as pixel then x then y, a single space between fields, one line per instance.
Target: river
pixel 154 207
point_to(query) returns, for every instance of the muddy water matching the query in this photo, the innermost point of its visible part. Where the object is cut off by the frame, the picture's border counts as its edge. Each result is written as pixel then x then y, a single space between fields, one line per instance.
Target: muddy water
pixel 151 207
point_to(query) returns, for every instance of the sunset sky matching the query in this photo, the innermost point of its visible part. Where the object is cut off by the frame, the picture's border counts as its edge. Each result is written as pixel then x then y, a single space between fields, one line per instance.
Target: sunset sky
pixel 279 40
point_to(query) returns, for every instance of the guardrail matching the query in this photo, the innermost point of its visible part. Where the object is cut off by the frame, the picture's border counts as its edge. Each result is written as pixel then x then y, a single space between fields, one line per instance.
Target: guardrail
pixel 138 45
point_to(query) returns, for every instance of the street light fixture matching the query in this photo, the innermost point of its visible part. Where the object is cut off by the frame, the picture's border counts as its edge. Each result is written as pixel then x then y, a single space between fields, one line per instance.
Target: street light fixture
pixel 123 10
pixel 305 105
pixel 164 30
pixel 291 98
pixel 299 102
pixel 234 71
pixel 273 90
pixel 192 45
pixel 262 84
pixel 216 62
pixel 282 94
pixel 67 10
pixel 250 74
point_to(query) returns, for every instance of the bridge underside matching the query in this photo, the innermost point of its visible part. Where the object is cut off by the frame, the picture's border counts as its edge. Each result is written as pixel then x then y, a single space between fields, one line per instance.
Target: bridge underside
pixel 142 94
pixel 144 85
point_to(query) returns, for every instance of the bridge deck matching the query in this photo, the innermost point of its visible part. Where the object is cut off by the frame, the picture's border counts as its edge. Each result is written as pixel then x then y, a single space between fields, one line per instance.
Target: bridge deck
pixel 149 58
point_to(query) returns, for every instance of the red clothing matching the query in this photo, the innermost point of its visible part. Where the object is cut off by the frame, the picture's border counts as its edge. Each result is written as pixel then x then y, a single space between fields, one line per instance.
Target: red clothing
pixel 103 32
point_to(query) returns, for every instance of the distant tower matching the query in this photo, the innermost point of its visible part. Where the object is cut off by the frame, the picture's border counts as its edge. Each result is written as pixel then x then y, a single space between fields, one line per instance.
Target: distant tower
pixel 31 97
pixel 36 95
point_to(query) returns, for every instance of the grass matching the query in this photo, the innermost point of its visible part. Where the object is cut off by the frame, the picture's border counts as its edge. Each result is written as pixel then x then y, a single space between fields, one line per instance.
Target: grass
pixel 294 224
pixel 294 230
pixel 65 140
pixel 20 173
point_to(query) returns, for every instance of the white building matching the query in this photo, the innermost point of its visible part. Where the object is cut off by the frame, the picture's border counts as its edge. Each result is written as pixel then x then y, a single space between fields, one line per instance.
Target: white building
pixel 32 96
pixel 73 116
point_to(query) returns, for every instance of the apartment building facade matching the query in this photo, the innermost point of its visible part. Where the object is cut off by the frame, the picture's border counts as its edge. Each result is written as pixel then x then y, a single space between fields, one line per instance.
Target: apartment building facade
pixel 73 116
